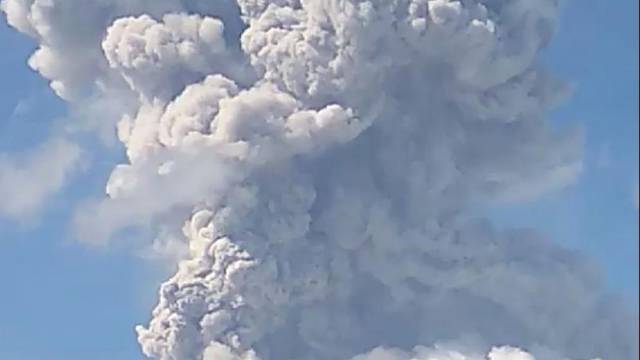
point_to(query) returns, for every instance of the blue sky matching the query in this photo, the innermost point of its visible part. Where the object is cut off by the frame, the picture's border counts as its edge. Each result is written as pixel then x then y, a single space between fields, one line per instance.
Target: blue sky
pixel 595 49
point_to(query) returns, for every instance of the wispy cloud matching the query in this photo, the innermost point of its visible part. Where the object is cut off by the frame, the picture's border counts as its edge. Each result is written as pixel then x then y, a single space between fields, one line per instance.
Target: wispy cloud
pixel 29 180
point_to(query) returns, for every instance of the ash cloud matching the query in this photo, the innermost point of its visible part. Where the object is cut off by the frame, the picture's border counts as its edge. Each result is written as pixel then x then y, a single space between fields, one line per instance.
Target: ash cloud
pixel 326 157
pixel 29 180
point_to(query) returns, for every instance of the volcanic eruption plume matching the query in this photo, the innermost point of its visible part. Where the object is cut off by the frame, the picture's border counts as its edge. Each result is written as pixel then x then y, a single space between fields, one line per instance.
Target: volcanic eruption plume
pixel 329 158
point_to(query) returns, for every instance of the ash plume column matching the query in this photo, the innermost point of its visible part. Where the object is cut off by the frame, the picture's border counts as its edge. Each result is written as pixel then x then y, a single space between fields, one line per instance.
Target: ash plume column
pixel 326 155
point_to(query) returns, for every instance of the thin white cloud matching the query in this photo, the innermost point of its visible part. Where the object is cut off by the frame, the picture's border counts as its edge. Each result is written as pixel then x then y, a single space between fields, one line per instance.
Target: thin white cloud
pixel 29 180
pixel 22 108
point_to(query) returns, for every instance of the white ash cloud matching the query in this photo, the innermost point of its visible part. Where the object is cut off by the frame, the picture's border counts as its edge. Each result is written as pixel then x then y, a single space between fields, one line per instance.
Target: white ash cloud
pixel 69 34
pixel 326 156
pixel 29 180
pixel 457 352
pixel 157 59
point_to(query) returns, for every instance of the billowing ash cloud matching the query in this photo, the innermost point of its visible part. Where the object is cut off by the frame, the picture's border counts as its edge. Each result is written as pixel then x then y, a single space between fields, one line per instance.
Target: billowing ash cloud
pixel 448 352
pixel 326 155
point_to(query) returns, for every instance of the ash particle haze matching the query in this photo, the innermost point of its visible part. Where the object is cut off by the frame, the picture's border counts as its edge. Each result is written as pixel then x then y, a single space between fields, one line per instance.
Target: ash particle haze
pixel 327 159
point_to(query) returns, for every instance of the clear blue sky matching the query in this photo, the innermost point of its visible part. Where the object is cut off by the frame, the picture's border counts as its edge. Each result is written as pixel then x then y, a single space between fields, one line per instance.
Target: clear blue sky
pixel 595 49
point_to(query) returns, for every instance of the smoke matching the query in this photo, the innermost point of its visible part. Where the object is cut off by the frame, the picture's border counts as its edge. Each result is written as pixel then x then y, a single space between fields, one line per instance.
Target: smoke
pixel 28 181
pixel 329 157
pixel 449 352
